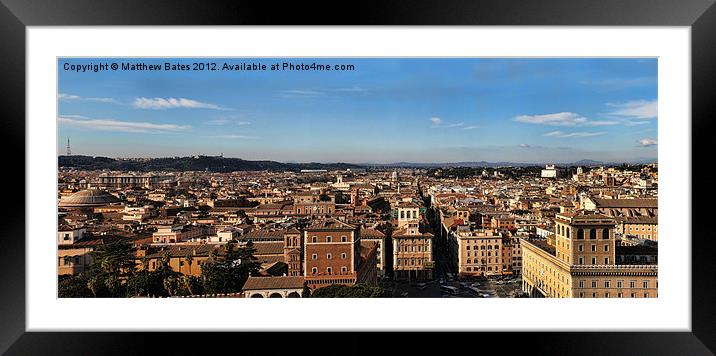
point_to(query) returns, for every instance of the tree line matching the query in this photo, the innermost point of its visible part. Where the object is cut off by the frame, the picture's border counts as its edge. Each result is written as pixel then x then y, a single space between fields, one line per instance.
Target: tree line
pixel 117 273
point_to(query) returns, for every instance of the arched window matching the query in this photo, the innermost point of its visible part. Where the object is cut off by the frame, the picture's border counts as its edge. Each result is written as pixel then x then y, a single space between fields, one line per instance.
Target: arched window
pixel 605 234
pixel 580 234
pixel 592 234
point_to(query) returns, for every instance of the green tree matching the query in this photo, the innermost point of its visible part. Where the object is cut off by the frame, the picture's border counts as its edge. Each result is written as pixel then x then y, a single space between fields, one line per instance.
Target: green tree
pixel 306 292
pixel 226 272
pixel 73 287
pixel 113 265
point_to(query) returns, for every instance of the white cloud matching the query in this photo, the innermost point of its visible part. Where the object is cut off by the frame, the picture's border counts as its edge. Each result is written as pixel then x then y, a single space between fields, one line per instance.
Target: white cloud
pixel 635 123
pixel 620 83
pixel 602 123
pixel 227 121
pixel 242 137
pixel 171 103
pixel 471 127
pixel 353 89
pixel 119 126
pixel 524 145
pixel 561 134
pixel 72 97
pixel 647 142
pixel 456 125
pixel 636 109
pixel 556 119
pixel 436 121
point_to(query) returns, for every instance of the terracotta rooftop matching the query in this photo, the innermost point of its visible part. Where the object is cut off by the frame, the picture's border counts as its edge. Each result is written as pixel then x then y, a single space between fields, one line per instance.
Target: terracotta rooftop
pixel 626 203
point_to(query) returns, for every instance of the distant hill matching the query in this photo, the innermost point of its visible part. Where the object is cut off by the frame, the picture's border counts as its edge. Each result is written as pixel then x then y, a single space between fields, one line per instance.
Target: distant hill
pixel 198 163
pixel 485 164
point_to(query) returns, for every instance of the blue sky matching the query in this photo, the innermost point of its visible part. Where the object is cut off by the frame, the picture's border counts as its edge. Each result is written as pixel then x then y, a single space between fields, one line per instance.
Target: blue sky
pixel 385 110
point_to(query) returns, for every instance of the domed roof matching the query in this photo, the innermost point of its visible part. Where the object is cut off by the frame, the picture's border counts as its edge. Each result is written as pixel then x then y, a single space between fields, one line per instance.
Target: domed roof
pixel 88 198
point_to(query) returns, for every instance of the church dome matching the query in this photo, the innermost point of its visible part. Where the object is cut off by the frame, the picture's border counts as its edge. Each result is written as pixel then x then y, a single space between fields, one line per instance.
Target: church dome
pixel 88 198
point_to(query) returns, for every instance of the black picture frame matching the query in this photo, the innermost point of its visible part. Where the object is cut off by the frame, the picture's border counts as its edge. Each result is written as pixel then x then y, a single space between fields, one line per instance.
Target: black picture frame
pixel 16 15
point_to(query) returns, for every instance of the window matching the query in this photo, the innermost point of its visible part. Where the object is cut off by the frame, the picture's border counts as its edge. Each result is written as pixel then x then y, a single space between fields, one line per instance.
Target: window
pixel 313 239
pixel 329 239
pixel 594 284
pixel 620 295
pixel 581 261
pixel 329 270
pixel 314 256
pixel 606 260
pixel 329 256
pixel 314 270
pixel 605 234
pixel 581 284
pixel 344 238
pixel 344 270
pixel 606 248
pixel 645 284
pixel 592 234
pixel 594 295
pixel 581 295
pixel 594 248
pixel 606 284
pixel 606 295
pixel 594 260
pixel 343 256
pixel 632 284
pixel 580 247
pixel 619 284
pixel 580 234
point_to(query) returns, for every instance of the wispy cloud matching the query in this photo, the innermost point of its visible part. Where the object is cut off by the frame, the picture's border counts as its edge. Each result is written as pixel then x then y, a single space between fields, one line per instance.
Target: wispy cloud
pixel 322 93
pixel 227 122
pixel 236 137
pixel 636 109
pixel 647 142
pixel 556 119
pixel 562 134
pixel 524 145
pixel 172 103
pixel 438 122
pixel 620 82
pixel 602 123
pixel 72 97
pixel 635 123
pixel 118 125
pixel 353 89
pixel 303 93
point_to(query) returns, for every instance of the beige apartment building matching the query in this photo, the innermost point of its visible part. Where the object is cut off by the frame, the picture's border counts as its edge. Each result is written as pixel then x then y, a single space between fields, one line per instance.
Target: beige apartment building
pixel 580 261
pixel 412 254
pixel 479 253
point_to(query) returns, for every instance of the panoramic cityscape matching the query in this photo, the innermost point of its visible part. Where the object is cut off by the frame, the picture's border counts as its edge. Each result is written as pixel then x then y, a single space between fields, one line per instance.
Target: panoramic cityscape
pixel 365 177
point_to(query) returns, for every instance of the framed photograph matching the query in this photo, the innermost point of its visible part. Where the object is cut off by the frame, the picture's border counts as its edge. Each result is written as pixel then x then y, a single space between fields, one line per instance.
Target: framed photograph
pixel 505 174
